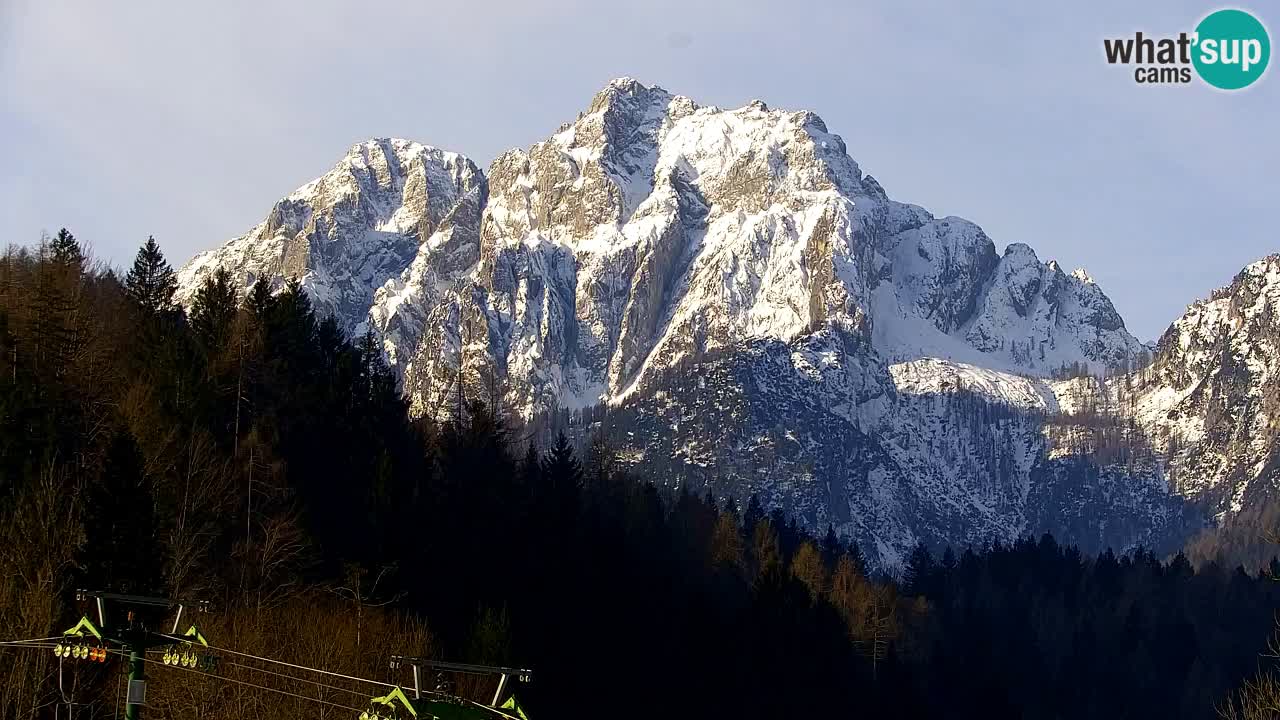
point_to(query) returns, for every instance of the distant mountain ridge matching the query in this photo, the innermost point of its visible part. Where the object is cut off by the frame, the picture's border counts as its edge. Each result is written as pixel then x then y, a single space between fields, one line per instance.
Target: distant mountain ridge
pixel 869 366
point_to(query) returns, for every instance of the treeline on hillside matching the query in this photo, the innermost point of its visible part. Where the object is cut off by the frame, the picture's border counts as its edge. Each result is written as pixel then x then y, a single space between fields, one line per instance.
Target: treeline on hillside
pixel 1141 365
pixel 246 453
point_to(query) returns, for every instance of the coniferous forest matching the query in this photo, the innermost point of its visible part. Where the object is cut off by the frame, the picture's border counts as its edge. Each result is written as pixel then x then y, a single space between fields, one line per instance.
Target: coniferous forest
pixel 246 453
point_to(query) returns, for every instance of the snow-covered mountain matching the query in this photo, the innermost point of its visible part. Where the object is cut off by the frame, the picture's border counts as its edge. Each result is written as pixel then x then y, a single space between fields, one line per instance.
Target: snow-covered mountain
pixel 756 311
pixel 344 233
pixel 1210 401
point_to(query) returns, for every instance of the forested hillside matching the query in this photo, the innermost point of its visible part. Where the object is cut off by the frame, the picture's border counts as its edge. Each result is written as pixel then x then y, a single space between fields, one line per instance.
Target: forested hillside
pixel 245 452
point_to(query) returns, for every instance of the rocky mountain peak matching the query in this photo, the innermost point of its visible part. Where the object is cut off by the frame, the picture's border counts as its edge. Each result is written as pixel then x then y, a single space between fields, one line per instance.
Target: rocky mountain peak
pixel 1083 276
pixel 1209 403
pixel 344 233
pixel 653 240
pixel 627 94
pixel 1237 320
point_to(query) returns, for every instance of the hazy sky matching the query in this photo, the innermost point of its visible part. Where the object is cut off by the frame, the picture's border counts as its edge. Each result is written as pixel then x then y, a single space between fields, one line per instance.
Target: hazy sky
pixel 189 120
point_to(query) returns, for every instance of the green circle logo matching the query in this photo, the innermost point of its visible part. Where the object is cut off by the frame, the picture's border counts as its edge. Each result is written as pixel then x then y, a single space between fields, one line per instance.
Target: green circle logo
pixel 1231 49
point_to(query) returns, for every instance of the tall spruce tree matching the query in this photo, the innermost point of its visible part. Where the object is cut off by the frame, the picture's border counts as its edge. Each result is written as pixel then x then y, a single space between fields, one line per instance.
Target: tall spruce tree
pixel 563 473
pixel 259 300
pixel 151 281
pixel 918 572
pixel 66 250
pixel 213 310
pixel 530 468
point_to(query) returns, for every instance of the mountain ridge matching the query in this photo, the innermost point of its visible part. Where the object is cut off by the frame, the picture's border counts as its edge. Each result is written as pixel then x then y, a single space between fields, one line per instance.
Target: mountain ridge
pixel 652 236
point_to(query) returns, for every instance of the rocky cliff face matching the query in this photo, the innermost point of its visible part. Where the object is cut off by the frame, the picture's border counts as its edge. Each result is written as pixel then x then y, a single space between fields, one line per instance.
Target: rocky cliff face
pixel 649 232
pixel 1210 402
pixel 756 310
pixel 343 234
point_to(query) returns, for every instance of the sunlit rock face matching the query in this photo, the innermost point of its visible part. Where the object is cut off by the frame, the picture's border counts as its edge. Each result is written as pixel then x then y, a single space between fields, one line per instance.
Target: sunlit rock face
pixel 347 232
pixel 679 264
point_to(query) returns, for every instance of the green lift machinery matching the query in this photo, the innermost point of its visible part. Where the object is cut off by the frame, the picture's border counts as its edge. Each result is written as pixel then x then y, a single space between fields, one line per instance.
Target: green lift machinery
pixel 131 634
pixel 138 628
pixel 442 705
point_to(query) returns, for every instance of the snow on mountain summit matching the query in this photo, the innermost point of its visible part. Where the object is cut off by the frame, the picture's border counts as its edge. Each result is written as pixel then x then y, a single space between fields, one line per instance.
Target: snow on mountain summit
pixel 653 235
pixel 345 232
pixel 758 215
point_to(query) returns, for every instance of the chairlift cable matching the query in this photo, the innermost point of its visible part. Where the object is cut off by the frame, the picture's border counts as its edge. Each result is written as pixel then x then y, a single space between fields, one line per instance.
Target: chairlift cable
pixel 247 684
pixel 305 681
pixel 31 640
pixel 288 664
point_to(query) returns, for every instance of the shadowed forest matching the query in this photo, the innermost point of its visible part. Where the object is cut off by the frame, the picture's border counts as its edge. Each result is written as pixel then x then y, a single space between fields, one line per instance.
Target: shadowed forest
pixel 244 452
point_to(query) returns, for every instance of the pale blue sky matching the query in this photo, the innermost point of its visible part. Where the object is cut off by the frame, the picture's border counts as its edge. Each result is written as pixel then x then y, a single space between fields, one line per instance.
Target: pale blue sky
pixel 125 119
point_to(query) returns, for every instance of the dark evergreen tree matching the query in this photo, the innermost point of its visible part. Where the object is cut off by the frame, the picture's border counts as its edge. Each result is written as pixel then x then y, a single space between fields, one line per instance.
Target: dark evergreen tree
pixel 562 474
pixel 213 311
pixel 917 574
pixel 531 467
pixel 66 251
pixel 948 562
pixel 151 281
pixel 259 300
